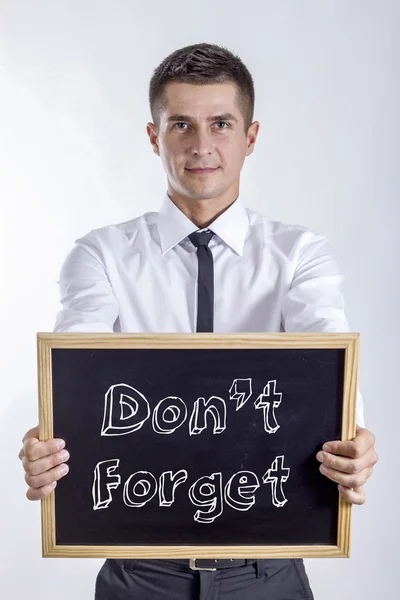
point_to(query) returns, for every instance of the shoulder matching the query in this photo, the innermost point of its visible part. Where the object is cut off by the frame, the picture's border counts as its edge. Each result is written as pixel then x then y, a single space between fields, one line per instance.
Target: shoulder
pixel 288 237
pixel 115 235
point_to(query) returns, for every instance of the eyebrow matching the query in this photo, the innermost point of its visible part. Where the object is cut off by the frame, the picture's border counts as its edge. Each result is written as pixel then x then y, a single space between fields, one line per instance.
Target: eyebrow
pixel 223 117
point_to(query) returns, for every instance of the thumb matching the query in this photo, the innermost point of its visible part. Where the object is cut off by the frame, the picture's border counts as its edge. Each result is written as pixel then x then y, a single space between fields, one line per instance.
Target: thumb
pixel 32 433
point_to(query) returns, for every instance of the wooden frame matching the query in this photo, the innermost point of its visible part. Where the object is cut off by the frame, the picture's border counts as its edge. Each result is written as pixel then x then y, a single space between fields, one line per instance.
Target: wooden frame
pixel 47 341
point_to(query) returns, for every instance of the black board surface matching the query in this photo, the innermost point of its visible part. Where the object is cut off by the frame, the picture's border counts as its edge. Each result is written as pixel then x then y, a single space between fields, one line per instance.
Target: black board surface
pixel 262 484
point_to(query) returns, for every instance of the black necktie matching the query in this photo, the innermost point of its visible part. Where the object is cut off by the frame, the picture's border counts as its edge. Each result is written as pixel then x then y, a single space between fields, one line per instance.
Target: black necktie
pixel 205 280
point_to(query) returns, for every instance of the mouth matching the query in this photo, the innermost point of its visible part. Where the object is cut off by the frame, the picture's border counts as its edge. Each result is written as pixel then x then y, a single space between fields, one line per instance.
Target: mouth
pixel 201 171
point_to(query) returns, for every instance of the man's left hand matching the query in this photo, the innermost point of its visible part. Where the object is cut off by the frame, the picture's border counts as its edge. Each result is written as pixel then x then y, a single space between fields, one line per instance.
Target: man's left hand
pixel 350 464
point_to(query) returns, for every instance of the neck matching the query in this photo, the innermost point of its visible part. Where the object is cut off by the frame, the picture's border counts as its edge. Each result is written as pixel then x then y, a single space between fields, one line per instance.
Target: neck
pixel 202 212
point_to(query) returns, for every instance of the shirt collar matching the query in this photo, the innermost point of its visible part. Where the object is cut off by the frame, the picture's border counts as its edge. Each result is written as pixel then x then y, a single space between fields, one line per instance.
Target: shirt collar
pixel 174 226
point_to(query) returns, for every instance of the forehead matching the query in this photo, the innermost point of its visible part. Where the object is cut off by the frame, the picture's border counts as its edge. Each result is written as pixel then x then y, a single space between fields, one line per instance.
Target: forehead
pixel 200 101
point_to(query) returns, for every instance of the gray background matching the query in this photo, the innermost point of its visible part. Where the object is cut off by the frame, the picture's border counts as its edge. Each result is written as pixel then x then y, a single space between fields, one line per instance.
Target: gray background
pixel 75 155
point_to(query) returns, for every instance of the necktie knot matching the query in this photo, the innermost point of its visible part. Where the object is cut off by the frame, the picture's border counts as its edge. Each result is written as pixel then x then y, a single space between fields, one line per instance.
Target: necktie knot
pixel 201 238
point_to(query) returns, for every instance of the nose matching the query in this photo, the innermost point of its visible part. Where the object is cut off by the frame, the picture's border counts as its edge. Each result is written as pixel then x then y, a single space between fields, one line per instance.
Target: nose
pixel 201 143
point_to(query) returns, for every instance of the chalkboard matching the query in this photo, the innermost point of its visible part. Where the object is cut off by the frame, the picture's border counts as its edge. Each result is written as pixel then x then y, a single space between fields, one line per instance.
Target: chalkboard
pixel 196 445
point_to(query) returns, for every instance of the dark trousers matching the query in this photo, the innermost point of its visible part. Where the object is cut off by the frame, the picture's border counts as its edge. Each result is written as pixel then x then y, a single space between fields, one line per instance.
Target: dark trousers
pixel 142 579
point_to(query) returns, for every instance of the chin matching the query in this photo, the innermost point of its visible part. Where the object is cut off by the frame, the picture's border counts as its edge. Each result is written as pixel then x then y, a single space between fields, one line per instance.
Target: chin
pixel 205 195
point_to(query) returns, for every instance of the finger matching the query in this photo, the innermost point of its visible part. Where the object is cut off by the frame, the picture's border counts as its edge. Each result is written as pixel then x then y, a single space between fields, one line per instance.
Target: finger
pixel 348 465
pixel 38 481
pixel 355 496
pixel 38 494
pixel 351 481
pixel 363 441
pixel 34 449
pixel 339 448
pixel 32 433
pixel 43 465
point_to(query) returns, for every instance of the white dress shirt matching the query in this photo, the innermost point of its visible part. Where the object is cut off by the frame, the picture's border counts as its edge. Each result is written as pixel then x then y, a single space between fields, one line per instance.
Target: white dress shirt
pixel 141 276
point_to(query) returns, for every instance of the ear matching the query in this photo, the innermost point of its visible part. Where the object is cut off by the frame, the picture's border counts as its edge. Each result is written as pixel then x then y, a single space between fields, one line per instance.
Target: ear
pixel 252 136
pixel 153 135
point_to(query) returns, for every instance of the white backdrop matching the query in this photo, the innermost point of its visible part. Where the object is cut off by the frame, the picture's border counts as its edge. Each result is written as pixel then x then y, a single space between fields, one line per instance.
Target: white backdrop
pixel 75 155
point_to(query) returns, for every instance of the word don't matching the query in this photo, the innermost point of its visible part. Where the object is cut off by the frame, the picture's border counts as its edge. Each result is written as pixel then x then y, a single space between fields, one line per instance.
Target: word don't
pixel 126 409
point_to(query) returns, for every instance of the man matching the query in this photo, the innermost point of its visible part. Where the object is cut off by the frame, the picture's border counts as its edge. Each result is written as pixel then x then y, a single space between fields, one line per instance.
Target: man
pixel 203 263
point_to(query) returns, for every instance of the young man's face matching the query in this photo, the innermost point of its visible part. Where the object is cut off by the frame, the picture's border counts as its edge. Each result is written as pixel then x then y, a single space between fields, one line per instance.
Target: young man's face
pixel 191 137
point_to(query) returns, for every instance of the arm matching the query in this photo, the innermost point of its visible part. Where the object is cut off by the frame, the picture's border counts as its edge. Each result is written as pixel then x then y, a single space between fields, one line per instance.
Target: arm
pixel 315 299
pixel 87 299
pixel 88 305
pixel 315 302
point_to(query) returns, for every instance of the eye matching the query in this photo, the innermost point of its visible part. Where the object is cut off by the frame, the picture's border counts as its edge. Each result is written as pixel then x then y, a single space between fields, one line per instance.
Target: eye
pixel 182 123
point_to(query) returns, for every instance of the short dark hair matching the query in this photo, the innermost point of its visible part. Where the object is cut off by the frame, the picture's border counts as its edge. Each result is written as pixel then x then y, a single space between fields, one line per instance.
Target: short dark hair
pixel 202 64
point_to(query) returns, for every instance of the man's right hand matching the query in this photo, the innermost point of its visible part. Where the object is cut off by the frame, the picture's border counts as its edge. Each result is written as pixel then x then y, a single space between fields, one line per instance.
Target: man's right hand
pixel 43 462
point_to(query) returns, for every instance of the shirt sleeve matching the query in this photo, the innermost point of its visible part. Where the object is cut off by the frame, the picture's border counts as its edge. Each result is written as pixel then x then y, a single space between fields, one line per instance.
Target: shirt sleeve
pixel 87 299
pixel 314 301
